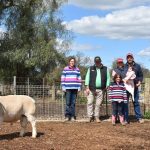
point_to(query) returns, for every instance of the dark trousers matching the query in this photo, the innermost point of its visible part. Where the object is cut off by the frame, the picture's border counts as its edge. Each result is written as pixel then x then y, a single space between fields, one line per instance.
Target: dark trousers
pixel 71 95
pixel 126 111
pixel 117 108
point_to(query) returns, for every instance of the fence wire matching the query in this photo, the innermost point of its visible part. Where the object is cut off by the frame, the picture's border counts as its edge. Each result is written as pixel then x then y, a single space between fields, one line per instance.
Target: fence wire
pixel 50 100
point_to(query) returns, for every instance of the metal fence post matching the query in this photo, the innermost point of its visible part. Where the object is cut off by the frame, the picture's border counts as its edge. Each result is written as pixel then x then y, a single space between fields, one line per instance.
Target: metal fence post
pixel 14 84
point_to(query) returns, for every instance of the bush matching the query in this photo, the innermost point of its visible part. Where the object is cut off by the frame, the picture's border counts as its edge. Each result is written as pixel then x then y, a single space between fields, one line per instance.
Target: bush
pixel 147 115
pixel 82 100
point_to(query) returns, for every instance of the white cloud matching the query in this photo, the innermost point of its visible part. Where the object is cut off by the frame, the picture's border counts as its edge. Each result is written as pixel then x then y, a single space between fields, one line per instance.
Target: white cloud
pixel 2 33
pixel 145 52
pixel 1 30
pixel 123 24
pixel 84 47
pixel 62 45
pixel 109 4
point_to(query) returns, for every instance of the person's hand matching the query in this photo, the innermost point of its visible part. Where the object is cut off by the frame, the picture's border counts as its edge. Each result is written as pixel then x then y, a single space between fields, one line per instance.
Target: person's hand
pixel 95 93
pixel 64 90
pixel 125 81
pixel 87 91
pixel 138 84
pixel 120 101
pixel 107 88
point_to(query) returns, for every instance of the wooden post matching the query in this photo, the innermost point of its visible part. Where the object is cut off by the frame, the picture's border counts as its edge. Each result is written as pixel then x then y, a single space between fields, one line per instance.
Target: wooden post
pixel 28 80
pixel 43 88
pixel 14 85
pixel 53 91
pixel 147 94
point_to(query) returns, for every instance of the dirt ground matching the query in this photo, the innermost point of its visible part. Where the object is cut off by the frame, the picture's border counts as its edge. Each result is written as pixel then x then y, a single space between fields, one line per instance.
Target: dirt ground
pixel 77 136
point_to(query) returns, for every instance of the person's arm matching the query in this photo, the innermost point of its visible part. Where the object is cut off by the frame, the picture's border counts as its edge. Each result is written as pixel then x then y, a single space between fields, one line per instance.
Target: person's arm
pixel 108 79
pixel 125 95
pixel 79 80
pixel 87 80
pixel 63 76
pixel 128 76
pixel 110 93
pixel 139 76
pixel 113 73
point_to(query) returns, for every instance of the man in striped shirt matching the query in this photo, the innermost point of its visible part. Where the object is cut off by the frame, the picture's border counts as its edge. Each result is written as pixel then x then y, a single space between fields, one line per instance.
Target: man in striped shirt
pixel 71 84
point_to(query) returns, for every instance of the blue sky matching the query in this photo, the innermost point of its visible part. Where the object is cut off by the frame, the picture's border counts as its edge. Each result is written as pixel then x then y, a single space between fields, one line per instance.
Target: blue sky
pixel 110 28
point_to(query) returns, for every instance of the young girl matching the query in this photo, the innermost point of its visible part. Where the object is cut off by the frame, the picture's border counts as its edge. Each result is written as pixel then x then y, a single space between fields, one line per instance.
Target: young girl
pixel 118 96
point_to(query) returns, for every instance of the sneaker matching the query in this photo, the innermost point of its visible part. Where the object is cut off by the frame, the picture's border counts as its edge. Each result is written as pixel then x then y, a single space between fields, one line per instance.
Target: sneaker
pixel 97 120
pixel 113 123
pixel 72 119
pixel 126 122
pixel 66 119
pixel 141 120
pixel 123 123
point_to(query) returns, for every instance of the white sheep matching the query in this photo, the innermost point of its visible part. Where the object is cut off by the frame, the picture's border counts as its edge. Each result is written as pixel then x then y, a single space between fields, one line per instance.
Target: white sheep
pixel 18 107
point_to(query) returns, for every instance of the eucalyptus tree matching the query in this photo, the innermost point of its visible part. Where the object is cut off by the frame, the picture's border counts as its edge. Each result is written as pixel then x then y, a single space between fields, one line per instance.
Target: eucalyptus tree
pixel 35 40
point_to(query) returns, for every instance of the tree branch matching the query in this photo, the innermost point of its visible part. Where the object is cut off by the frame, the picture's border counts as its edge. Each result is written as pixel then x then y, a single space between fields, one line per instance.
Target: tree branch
pixel 4 4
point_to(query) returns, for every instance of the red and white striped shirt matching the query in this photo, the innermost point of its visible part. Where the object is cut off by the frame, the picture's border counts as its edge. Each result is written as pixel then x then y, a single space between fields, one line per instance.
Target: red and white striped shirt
pixel 117 92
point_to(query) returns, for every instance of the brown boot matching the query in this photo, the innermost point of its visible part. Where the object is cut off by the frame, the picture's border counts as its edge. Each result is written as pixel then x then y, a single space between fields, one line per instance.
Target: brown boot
pixel 97 120
pixel 90 119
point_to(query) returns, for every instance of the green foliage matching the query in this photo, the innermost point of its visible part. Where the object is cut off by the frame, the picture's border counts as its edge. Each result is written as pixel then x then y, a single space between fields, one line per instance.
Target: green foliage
pixel 146 72
pixel 82 100
pixel 83 62
pixel 55 76
pixel 30 45
pixel 147 115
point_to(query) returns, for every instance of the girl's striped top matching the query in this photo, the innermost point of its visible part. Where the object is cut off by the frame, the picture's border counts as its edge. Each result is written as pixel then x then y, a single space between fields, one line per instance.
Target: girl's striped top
pixel 117 92
pixel 71 78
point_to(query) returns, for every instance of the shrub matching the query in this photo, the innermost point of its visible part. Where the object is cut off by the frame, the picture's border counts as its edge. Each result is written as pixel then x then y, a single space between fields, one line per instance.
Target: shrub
pixel 147 115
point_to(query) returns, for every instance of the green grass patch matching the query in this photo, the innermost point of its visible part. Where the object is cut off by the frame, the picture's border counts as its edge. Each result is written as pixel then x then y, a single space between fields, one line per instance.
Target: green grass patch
pixel 147 115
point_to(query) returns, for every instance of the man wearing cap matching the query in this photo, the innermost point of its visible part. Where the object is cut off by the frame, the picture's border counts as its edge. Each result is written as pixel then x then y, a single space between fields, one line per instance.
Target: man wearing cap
pixel 97 80
pixel 137 81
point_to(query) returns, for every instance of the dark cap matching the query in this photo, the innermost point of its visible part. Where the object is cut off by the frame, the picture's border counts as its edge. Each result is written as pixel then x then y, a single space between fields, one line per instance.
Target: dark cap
pixel 119 60
pixel 97 59
pixel 129 54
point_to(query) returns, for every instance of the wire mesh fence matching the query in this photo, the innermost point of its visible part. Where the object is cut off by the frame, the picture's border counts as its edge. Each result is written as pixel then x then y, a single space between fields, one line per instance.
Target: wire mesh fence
pixel 50 100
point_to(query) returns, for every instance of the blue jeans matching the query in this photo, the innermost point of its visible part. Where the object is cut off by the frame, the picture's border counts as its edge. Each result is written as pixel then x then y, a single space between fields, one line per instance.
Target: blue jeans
pixel 71 95
pixel 117 108
pixel 136 104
